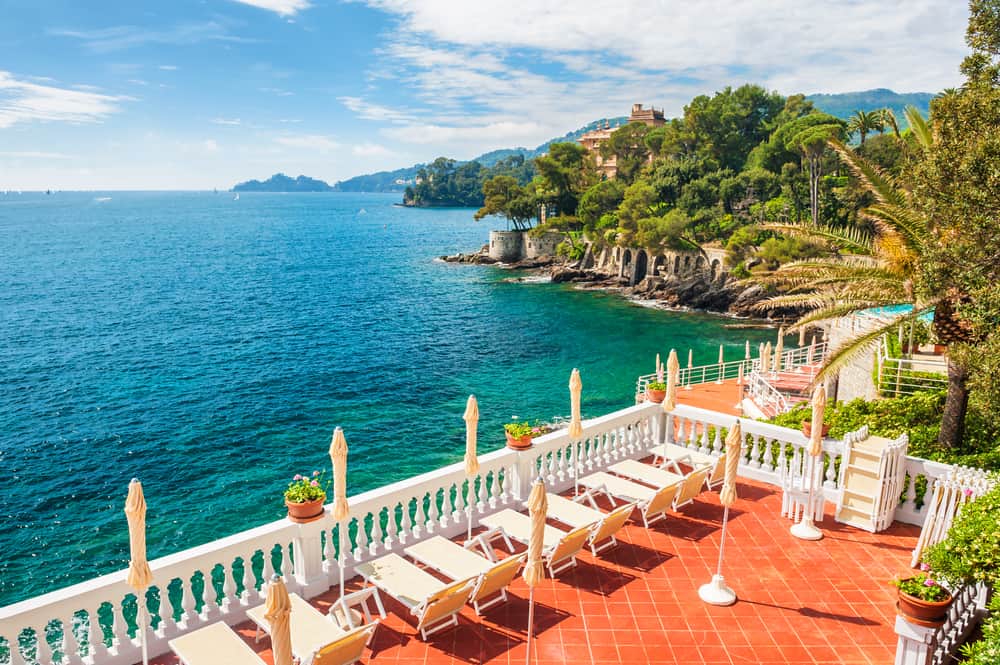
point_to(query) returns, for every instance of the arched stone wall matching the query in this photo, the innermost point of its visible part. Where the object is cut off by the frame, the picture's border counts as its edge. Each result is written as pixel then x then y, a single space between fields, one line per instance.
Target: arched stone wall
pixel 699 263
pixel 687 264
pixel 659 265
pixel 625 263
pixel 677 264
pixel 716 269
pixel 639 270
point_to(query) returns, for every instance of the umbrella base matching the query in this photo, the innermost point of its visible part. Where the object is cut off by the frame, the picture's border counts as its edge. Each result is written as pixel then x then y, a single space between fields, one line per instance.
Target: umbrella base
pixel 716 592
pixel 805 530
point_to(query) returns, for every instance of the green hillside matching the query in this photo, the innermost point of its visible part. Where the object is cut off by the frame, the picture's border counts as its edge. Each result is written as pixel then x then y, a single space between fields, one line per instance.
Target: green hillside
pixel 842 105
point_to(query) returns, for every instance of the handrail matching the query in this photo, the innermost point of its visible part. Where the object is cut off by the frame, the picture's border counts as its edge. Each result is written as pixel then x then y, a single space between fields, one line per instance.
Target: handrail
pixel 898 376
pixel 765 395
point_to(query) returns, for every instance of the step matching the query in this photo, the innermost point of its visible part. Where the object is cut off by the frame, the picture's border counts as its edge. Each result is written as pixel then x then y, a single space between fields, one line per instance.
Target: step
pixel 859 502
pixel 856 519
pixel 862 482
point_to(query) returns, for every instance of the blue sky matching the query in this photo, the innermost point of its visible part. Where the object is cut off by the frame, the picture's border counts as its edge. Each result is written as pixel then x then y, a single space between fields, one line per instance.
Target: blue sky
pixel 193 94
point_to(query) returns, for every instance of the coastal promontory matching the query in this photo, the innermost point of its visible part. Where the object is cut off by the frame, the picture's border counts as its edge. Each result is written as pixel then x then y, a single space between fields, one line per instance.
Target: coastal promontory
pixel 280 182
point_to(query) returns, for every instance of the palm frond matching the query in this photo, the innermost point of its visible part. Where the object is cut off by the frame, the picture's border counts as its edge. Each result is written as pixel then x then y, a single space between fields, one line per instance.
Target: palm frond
pixel 882 186
pixel 851 347
pixel 850 238
pixel 921 129
pixel 899 220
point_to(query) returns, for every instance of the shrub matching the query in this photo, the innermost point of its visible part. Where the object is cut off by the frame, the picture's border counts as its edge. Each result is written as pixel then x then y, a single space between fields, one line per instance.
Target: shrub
pixel 304 488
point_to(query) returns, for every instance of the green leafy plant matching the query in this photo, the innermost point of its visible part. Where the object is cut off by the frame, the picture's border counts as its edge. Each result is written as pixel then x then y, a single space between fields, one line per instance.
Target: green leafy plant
pixel 519 429
pixel 922 586
pixel 305 488
pixel 656 385
pixel 971 550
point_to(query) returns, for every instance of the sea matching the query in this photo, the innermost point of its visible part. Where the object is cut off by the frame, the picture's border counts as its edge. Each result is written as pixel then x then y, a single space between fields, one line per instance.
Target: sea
pixel 209 346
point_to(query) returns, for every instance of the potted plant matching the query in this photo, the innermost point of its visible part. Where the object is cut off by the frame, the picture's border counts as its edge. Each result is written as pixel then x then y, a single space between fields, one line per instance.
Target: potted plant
pixel 305 496
pixel 807 427
pixel 922 599
pixel 519 434
pixel 656 391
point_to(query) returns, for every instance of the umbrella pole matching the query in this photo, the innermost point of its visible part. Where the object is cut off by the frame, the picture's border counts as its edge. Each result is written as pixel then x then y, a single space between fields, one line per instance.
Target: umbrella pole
pixel 143 622
pixel 576 468
pixel 340 557
pixel 805 529
pixel 716 592
pixel 531 622
pixel 468 508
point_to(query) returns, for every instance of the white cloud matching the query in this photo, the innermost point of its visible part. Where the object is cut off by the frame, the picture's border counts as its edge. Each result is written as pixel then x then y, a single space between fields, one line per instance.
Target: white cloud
pixel 370 111
pixel 23 101
pixel 34 154
pixel 280 7
pixel 314 142
pixel 118 37
pixel 370 150
pixel 168 68
pixel 232 122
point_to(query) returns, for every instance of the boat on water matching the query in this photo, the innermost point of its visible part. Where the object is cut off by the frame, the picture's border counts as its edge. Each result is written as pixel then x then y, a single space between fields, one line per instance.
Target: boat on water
pixel 237 197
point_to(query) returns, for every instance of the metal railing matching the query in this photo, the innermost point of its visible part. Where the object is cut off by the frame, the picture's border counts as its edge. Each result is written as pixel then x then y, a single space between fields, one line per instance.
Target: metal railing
pixel 768 399
pixel 905 376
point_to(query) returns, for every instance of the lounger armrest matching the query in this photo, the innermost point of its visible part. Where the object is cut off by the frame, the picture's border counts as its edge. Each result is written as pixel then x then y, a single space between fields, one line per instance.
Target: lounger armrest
pixel 357 599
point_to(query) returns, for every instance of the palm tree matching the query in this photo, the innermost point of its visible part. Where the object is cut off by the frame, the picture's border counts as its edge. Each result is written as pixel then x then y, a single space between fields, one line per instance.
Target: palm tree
pixel 888 119
pixel 863 123
pixel 876 271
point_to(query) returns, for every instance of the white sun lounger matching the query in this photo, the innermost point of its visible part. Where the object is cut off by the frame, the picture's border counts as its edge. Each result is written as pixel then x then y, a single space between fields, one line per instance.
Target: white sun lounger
pixel 214 644
pixel 690 484
pixel 434 603
pixel 673 455
pixel 457 562
pixel 652 503
pixel 560 547
pixel 603 526
pixel 311 629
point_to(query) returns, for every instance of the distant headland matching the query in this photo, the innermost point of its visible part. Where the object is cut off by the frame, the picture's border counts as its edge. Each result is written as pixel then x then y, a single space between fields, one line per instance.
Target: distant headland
pixel 280 182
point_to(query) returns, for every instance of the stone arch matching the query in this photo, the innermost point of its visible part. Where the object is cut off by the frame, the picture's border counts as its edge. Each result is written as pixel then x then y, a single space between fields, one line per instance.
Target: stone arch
pixel 699 263
pixel 659 263
pixel 716 269
pixel 687 263
pixel 677 264
pixel 639 270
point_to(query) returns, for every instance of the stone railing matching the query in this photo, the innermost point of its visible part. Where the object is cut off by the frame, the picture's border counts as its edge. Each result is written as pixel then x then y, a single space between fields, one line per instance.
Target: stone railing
pixel 921 645
pixel 95 621
pixel 766 446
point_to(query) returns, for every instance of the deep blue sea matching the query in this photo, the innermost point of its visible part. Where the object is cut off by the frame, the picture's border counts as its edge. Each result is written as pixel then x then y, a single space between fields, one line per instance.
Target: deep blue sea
pixel 209 347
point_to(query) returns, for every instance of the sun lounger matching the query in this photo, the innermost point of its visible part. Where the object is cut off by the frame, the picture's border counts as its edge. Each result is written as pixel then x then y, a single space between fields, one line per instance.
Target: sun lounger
pixel 313 631
pixel 457 562
pixel 603 526
pixel 560 547
pixel 212 645
pixel 673 455
pixel 690 484
pixel 652 503
pixel 434 603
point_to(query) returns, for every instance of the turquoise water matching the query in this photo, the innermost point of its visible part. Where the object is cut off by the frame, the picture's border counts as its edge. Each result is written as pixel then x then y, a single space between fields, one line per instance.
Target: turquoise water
pixel 209 347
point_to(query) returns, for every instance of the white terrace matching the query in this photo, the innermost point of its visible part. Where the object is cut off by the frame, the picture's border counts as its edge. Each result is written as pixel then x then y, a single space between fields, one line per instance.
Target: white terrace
pixel 93 622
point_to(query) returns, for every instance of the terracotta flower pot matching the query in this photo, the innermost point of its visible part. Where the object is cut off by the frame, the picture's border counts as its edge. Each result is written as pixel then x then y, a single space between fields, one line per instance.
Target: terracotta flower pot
pixel 656 396
pixel 306 511
pixel 807 428
pixel 518 443
pixel 929 613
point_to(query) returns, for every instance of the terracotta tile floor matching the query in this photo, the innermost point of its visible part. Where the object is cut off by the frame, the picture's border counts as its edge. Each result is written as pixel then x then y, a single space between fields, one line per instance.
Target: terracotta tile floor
pixel 799 602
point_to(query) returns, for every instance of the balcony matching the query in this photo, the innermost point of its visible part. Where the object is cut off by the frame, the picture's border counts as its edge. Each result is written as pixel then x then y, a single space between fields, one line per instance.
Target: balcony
pixel 799 602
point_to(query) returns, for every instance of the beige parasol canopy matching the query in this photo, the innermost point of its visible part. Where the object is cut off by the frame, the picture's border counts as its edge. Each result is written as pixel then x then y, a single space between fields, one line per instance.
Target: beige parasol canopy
pixel 338 456
pixel 818 407
pixel 802 337
pixel 471 418
pixel 811 358
pixel 734 450
pixel 575 391
pixel 765 360
pixel 538 506
pixel 139 575
pixel 277 611
pixel 779 348
pixel 673 372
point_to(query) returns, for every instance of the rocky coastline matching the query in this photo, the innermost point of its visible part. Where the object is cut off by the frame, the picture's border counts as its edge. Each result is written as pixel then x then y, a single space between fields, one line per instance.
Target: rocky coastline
pixel 722 295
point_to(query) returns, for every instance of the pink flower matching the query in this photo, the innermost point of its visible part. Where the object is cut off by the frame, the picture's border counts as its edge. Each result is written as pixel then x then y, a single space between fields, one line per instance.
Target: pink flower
pixel 968 492
pixel 924 567
pixel 297 477
pixel 315 473
pixel 929 582
pixel 314 483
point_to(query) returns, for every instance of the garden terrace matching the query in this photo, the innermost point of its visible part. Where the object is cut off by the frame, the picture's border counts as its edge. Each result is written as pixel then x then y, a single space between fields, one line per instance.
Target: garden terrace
pixel 637 602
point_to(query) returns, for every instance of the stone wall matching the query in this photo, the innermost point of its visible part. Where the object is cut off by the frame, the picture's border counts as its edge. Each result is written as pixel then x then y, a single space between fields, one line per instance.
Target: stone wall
pixel 514 246
pixel 543 245
pixel 637 264
pixel 855 379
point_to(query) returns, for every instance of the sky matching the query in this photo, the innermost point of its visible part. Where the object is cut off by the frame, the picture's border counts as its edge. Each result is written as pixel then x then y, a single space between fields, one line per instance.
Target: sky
pixel 196 94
